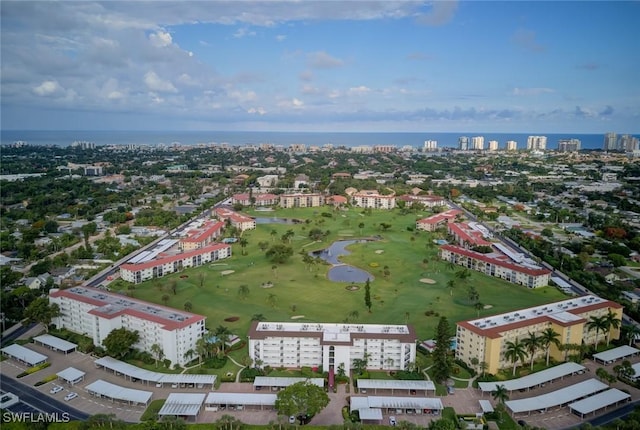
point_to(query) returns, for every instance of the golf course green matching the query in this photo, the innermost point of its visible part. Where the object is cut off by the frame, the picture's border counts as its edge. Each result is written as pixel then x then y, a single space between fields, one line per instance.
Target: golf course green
pixel 248 285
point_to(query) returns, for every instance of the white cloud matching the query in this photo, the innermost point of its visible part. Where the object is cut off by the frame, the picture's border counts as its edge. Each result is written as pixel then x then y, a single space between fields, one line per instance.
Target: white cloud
pixel 160 39
pixel 155 83
pixel 322 60
pixel 48 88
pixel 358 91
pixel 111 91
pixel 281 37
pixel 243 96
pixel 257 111
pixel 186 79
pixel 293 103
pixel 442 12
pixel 517 91
pixel 243 32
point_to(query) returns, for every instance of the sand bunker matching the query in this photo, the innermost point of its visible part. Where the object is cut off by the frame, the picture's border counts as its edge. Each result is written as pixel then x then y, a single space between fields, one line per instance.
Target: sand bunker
pixel 487 306
pixel 427 281
pixel 297 317
pixel 227 272
pixel 379 251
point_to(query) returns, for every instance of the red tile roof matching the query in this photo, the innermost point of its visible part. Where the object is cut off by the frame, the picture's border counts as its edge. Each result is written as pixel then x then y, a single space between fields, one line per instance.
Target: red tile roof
pixel 496 261
pixel 171 258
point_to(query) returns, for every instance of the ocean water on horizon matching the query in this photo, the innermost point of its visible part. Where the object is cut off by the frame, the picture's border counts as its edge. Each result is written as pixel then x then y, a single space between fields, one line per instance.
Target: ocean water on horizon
pixel 237 138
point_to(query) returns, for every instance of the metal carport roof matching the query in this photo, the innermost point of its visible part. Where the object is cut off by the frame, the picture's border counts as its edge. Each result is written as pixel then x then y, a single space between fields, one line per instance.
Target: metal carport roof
pixel 393 384
pixel 244 399
pixel 274 381
pixel 557 397
pixel 599 401
pixel 71 375
pixel 616 353
pixel 55 343
pixel 117 392
pixel 534 379
pixel 23 354
pixel 183 404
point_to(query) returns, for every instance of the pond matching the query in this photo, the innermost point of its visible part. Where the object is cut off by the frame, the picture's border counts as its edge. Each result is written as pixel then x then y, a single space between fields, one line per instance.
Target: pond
pixel 342 272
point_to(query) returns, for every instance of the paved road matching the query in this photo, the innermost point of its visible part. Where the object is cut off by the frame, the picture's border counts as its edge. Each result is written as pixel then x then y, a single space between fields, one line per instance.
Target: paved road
pixel 36 400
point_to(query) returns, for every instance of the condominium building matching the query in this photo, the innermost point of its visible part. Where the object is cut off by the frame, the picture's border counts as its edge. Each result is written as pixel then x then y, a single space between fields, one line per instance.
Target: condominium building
pixel 463 143
pixel 239 221
pixel 569 145
pixel 201 235
pixel 610 142
pixel 263 199
pixel 493 145
pixel 95 313
pixel 430 145
pixel 628 143
pixel 512 145
pixel 477 143
pixel 385 149
pixel 485 339
pixel 536 143
pixel 143 271
pixel 301 200
pixel 433 222
pixel 373 199
pixel 497 265
pixel 466 235
pixel 294 345
pixel 428 201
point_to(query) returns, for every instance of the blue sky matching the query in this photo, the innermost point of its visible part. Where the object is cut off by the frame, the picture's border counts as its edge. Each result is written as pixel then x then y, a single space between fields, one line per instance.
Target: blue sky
pixel 350 65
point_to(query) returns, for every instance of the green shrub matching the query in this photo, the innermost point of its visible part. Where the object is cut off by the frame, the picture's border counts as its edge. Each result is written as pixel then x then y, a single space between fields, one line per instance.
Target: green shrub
pixel 215 362
pixel 33 369
pixel 45 380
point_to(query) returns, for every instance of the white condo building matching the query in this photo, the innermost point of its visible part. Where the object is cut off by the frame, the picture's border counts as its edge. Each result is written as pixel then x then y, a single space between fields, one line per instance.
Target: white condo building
pixel 430 145
pixel 512 145
pixel 477 143
pixel 536 143
pixel 373 199
pixel 95 313
pixel 330 345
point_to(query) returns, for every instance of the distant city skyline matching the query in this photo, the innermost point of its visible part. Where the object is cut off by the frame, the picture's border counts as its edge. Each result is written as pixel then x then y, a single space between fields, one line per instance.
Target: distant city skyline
pixel 365 66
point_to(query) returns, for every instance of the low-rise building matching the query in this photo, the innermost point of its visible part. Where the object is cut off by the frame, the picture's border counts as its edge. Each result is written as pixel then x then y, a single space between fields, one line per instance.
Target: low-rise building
pixel 95 313
pixel 466 236
pixel 262 199
pixel 373 199
pixel 140 272
pixel 499 266
pixel 239 221
pixel 433 222
pixel 485 339
pixel 200 237
pixel 301 200
pixel 294 345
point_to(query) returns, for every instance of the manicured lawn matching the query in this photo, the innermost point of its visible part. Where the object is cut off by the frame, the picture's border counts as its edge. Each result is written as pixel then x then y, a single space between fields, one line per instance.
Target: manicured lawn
pixel 306 293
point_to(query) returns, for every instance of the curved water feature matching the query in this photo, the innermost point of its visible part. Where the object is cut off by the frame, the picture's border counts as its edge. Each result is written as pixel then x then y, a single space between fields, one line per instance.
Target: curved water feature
pixel 276 220
pixel 342 272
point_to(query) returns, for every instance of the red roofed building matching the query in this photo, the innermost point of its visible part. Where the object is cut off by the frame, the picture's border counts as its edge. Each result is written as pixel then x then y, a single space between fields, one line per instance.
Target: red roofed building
pixel 433 222
pixel 203 236
pixel 373 199
pixel 239 221
pixel 95 313
pixel 337 200
pixel 483 340
pixel 140 272
pixel 466 236
pixel 498 266
pixel 425 200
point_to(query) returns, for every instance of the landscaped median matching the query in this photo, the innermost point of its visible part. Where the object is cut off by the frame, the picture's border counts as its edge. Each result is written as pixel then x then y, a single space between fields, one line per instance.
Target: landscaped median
pixel 33 369
pixel 45 380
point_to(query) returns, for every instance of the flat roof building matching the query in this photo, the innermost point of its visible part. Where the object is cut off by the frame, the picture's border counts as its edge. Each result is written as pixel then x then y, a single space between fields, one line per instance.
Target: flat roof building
pixel 95 313
pixel 330 345
pixel 485 338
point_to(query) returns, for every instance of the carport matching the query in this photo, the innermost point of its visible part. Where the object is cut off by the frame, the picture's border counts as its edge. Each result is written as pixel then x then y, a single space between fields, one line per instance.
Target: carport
pixel 71 375
pixel 217 401
pixel 615 354
pixel 183 405
pixel 24 355
pixel 275 383
pixel 410 386
pixel 55 343
pixel 114 392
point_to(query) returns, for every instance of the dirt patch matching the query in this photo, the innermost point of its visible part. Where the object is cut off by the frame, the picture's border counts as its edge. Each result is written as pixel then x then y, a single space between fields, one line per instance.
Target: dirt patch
pixel 232 319
pixel 427 281
pixel 227 272
pixel 297 317
pixel 184 276
pixel 266 285
pixel 379 251
pixel 352 287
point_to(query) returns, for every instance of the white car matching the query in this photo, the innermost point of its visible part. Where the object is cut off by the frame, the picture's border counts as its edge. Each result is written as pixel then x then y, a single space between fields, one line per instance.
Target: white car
pixel 70 396
pixel 392 421
pixel 56 389
pixel 292 419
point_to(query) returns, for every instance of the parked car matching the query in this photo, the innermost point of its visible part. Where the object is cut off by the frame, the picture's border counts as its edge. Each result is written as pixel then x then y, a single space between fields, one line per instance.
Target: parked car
pixel 56 389
pixel 392 421
pixel 292 419
pixel 70 396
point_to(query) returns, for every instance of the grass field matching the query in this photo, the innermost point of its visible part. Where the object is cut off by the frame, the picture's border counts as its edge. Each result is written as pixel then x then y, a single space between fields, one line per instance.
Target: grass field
pixel 304 292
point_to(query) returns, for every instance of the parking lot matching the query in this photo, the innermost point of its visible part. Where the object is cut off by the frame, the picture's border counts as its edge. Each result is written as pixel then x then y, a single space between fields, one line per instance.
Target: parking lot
pixel 463 400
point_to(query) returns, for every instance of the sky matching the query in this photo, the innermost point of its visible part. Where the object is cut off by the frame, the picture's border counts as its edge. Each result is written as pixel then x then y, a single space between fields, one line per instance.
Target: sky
pixel 349 65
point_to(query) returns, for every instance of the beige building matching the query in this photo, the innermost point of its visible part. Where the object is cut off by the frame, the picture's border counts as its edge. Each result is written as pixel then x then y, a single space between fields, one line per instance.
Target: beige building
pixel 374 200
pixel 485 339
pixel 300 200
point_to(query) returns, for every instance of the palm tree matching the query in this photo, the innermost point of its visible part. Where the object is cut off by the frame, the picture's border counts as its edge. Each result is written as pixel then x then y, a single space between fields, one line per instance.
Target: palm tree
pixel 243 243
pixel 243 291
pixel 272 299
pixel 189 354
pixel 222 333
pixel 599 324
pixel 632 331
pixel 451 285
pixel 202 348
pixel 188 306
pixel 273 235
pixel 515 352
pixel 500 394
pixel 531 344
pixel 548 337
pixel 157 351
pixel 613 322
pixel 165 299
